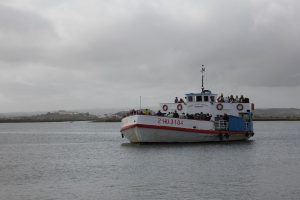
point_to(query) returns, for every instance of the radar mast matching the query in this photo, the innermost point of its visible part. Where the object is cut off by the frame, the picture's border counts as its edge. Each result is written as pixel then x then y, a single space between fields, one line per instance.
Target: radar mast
pixel 202 71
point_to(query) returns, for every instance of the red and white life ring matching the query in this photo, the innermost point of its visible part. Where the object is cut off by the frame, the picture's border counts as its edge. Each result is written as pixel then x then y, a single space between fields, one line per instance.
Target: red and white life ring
pixel 219 106
pixel 239 107
pixel 165 107
pixel 179 107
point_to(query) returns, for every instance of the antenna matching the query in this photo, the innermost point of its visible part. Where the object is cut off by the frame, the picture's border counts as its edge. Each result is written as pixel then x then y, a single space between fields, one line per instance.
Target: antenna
pixel 202 71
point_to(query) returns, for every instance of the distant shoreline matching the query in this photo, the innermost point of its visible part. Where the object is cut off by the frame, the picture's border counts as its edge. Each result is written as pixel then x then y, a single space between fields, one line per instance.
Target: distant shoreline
pixel 279 119
pixel 273 114
pixel 113 120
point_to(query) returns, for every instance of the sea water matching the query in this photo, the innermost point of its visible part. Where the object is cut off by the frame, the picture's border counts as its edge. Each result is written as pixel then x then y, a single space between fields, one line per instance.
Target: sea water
pixel 83 160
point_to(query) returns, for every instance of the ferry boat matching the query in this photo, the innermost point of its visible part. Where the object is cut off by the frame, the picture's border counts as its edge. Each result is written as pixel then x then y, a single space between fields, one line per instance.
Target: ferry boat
pixel 202 117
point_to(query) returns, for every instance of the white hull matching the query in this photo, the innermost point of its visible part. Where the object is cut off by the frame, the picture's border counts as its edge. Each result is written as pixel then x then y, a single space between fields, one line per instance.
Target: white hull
pixel 141 135
pixel 142 129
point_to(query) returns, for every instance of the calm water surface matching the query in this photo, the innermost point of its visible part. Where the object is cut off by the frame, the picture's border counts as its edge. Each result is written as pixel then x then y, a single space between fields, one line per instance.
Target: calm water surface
pixel 83 160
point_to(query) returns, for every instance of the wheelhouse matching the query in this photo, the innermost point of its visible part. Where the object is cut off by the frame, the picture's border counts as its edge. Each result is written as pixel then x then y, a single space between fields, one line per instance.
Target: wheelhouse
pixel 203 97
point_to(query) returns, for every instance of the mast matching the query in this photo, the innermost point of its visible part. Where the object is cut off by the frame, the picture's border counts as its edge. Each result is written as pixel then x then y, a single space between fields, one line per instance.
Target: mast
pixel 202 71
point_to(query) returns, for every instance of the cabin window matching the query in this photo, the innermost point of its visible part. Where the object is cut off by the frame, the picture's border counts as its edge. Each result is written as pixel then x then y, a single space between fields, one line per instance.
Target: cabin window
pixel 198 98
pixel 205 98
pixel 212 98
pixel 190 98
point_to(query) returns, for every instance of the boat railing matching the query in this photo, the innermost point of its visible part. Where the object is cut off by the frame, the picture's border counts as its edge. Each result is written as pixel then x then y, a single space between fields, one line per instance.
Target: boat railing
pixel 248 126
pixel 221 125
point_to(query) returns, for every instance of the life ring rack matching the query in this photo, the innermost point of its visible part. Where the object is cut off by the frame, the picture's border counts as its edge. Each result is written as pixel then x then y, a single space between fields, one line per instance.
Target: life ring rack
pixel 239 107
pixel 219 106
pixel 165 107
pixel 179 107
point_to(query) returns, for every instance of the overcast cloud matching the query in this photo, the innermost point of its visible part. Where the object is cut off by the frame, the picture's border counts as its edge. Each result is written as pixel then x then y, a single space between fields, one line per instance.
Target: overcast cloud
pixel 72 54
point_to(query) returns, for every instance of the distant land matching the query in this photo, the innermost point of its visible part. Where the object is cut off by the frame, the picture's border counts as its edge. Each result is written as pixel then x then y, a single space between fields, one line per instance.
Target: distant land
pixel 277 114
pixel 60 116
pixel 269 114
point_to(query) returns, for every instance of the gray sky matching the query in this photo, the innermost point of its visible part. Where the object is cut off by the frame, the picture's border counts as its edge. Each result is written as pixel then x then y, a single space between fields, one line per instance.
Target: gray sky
pixel 74 54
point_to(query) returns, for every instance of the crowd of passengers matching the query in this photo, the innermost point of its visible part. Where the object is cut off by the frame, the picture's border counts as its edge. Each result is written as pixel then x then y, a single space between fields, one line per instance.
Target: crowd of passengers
pixel 140 112
pixel 232 99
pixel 197 116
pixel 175 114
pixel 224 117
pixel 178 100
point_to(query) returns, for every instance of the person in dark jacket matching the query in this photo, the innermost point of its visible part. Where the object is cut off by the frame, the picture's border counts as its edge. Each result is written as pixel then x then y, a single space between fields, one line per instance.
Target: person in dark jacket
pixel 176 100
pixel 176 115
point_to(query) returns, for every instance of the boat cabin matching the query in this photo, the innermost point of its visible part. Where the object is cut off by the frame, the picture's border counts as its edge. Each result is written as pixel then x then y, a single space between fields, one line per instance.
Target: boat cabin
pixel 206 102
pixel 200 102
pixel 205 96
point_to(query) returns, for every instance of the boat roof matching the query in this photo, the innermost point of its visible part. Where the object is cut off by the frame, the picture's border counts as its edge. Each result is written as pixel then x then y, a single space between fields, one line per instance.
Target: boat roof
pixel 204 92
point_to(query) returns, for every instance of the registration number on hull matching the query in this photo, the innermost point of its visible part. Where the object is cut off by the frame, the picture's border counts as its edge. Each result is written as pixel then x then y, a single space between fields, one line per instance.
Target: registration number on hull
pixel 169 121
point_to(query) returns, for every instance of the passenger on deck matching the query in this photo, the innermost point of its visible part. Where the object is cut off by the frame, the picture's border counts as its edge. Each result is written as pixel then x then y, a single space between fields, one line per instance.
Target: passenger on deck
pixel 182 116
pixel 189 116
pixel 202 116
pixel 176 100
pixel 221 98
pixel 175 114
pixel 132 112
pixel 231 99
pixel 159 113
pixel 226 100
pixel 208 117
pixel 147 112
pixel 212 99
pixel 140 112
pixel 181 100
pixel 241 100
pixel 225 117
pixel 236 100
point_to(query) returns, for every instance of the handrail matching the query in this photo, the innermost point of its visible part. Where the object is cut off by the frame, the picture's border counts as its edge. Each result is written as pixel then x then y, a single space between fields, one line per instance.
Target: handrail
pixel 221 125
